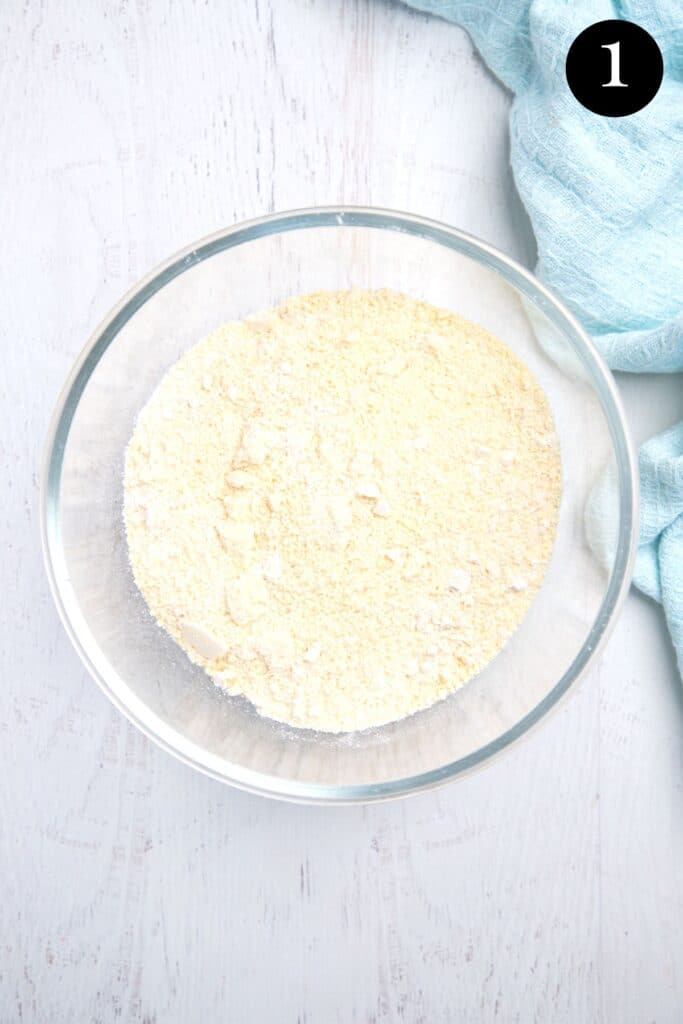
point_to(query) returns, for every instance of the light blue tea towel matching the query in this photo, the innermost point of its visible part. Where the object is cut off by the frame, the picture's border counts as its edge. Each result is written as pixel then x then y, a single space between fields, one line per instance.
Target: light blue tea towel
pixel 605 198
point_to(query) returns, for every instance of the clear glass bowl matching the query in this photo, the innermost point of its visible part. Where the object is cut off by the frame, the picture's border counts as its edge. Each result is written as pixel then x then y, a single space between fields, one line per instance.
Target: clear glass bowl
pixel 251 267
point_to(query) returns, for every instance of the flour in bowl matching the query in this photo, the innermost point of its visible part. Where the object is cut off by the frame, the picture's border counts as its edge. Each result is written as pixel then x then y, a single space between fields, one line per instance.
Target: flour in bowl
pixel 342 508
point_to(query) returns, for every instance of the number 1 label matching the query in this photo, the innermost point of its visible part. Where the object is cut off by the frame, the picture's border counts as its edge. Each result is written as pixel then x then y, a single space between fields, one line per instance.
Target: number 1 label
pixel 614 60
pixel 636 67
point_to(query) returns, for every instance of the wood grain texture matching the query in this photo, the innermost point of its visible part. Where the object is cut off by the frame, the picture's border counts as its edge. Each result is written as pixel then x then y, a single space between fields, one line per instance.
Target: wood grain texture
pixel 547 887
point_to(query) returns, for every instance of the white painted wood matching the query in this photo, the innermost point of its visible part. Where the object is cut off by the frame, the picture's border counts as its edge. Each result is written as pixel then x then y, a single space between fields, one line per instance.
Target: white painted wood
pixel 548 887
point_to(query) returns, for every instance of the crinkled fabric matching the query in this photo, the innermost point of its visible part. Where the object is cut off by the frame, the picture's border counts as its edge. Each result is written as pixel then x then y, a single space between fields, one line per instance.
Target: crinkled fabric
pixel 605 199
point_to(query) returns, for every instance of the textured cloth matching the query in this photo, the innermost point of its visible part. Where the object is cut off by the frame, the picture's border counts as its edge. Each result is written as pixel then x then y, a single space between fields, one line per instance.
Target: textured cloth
pixel 605 198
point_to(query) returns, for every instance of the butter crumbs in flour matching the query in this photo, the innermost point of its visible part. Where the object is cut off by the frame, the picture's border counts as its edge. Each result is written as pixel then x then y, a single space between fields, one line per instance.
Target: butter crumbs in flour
pixel 343 507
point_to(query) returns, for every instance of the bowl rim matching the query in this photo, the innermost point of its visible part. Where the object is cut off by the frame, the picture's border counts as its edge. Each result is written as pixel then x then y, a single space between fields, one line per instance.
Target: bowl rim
pixel 137 712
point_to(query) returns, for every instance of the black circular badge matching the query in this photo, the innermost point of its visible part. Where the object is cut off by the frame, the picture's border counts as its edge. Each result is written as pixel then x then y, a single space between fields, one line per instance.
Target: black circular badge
pixel 614 68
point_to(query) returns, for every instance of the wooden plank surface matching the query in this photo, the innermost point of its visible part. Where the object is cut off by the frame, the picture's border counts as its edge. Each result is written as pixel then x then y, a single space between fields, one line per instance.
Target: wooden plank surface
pixel 547 887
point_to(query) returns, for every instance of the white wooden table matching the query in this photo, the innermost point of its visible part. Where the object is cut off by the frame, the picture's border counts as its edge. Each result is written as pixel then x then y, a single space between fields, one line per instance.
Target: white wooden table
pixel 548 887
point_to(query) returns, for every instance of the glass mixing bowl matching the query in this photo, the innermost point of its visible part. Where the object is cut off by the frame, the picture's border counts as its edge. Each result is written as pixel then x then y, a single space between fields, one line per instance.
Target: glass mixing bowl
pixel 251 267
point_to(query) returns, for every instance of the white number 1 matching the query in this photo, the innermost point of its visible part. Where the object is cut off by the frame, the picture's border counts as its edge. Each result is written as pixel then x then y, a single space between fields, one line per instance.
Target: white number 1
pixel 615 78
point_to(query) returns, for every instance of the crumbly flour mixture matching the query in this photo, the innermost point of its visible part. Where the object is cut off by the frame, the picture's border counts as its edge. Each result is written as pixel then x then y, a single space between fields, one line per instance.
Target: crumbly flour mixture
pixel 343 507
